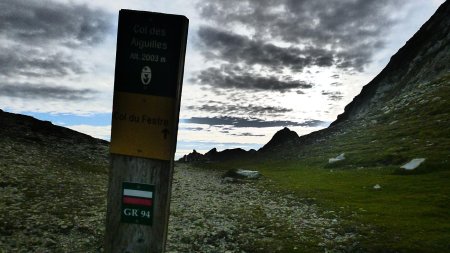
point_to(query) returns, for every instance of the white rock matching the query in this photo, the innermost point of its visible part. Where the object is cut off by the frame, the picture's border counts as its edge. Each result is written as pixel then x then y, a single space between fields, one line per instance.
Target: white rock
pixel 337 158
pixel 413 164
pixel 252 174
pixel 436 99
pixel 393 122
pixel 228 180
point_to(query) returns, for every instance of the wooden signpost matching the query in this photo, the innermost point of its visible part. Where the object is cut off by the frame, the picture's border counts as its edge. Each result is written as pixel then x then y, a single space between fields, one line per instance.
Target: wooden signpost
pixel 147 92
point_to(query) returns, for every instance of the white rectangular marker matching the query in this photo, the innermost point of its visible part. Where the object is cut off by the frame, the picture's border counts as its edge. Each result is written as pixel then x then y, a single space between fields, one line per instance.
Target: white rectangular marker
pixel 137 193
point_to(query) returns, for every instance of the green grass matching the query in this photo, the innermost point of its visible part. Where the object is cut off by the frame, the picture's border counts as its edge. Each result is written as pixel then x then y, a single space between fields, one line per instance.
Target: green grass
pixel 408 214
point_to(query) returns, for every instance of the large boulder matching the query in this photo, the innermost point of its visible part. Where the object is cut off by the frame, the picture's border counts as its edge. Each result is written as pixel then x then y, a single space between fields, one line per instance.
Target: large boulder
pixel 338 158
pixel 238 175
pixel 413 164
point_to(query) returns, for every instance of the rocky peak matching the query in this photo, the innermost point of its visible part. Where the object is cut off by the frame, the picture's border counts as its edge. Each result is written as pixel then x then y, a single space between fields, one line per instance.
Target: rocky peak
pixel 194 156
pixel 211 152
pixel 281 137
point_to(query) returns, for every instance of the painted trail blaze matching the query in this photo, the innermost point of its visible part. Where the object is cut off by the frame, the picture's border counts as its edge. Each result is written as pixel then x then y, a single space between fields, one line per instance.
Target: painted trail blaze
pixel 137 203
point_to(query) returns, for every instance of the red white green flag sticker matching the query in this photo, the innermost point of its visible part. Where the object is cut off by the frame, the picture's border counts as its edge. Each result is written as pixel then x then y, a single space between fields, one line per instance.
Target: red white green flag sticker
pixel 137 203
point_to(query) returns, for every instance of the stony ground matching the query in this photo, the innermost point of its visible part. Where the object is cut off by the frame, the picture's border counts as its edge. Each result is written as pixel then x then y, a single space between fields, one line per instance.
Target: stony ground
pixel 63 211
pixel 210 216
pixel 50 201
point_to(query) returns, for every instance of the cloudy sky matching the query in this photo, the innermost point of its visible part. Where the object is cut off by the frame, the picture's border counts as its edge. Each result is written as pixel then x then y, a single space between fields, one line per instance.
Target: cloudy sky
pixel 252 66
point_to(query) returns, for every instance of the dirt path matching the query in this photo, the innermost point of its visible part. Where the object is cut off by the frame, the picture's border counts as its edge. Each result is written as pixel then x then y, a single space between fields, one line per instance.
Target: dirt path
pixel 210 216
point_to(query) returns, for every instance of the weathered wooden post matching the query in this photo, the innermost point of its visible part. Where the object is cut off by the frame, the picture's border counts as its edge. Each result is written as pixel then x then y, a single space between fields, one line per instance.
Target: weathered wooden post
pixel 147 92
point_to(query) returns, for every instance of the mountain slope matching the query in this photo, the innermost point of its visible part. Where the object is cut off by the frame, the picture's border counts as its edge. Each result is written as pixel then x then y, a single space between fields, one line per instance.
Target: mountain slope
pixel 402 113
pixel 53 185
pixel 415 124
pixel 424 58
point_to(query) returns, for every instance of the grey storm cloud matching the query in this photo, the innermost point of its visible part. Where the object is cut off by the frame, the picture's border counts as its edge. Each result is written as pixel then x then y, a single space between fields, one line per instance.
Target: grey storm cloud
pixel 252 122
pixel 42 38
pixel 235 77
pixel 44 91
pixel 337 23
pixel 233 47
pixel 324 33
pixel 32 63
pixel 335 76
pixel 197 129
pixel 248 134
pixel 333 95
pixel 219 107
pixel 39 22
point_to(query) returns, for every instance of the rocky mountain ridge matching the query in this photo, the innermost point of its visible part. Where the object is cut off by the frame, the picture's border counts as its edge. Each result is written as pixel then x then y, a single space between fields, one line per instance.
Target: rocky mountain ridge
pixel 422 59
pixel 283 137
pixel 214 155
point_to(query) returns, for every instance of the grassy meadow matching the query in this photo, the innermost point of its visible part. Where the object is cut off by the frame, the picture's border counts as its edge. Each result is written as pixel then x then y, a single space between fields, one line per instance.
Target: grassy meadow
pixel 408 214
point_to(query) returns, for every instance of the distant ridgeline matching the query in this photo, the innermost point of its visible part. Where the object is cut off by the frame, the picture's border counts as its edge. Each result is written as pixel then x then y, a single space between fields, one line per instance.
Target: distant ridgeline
pixel 214 155
pixel 281 138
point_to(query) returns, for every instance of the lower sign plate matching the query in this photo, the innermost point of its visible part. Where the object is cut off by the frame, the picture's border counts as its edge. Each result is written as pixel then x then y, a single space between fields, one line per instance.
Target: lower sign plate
pixel 137 203
pixel 142 126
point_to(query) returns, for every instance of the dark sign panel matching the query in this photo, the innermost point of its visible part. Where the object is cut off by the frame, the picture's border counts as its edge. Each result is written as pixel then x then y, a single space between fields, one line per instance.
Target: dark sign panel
pixel 147 85
pixel 148 52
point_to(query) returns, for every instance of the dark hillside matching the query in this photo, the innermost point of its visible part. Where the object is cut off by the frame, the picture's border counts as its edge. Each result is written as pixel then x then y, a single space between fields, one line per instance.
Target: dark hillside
pixel 413 125
pixel 53 187
pixel 424 58
pixel 22 127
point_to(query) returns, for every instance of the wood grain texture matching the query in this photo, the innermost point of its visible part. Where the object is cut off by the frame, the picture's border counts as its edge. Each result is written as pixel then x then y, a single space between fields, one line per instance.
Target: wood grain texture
pixel 136 238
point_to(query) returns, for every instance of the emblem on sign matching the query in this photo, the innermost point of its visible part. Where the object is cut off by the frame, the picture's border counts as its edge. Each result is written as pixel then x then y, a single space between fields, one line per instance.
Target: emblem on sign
pixel 137 203
pixel 146 75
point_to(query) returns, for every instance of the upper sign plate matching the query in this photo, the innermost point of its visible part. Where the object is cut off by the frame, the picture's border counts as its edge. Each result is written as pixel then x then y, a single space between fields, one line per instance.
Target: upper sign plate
pixel 148 52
